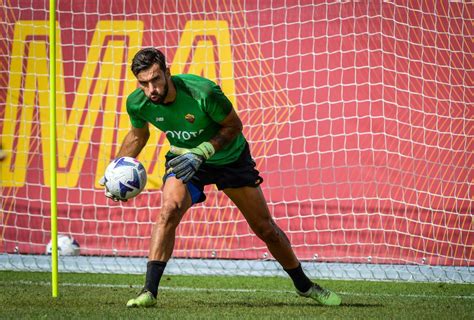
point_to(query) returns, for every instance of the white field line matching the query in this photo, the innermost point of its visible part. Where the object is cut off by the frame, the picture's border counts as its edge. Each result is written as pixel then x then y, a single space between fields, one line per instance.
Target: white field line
pixel 104 285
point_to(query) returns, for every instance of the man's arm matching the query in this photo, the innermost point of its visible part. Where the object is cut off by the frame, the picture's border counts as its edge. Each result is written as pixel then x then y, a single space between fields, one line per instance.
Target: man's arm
pixel 134 142
pixel 231 126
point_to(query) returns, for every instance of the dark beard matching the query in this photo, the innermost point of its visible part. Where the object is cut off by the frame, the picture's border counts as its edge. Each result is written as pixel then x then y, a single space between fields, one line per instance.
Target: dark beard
pixel 161 97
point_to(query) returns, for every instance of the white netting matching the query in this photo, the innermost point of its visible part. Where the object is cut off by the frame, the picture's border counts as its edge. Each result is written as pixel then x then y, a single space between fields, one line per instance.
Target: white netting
pixel 359 116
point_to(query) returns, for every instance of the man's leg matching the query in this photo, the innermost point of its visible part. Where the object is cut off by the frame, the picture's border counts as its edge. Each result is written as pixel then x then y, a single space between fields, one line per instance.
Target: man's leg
pixel 176 201
pixel 251 202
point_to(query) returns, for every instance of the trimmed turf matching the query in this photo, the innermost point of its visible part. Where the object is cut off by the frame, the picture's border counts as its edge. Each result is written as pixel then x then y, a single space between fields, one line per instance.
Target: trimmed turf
pixel 27 295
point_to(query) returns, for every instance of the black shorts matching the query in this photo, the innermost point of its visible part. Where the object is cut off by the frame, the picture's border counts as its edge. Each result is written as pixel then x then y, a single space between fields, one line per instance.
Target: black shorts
pixel 241 173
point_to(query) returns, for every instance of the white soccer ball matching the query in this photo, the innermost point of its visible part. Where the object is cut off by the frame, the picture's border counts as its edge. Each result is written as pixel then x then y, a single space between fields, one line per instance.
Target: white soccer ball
pixel 67 246
pixel 125 177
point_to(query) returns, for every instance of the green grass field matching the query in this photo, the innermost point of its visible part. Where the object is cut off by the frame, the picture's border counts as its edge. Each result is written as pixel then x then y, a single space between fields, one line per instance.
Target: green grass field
pixel 26 295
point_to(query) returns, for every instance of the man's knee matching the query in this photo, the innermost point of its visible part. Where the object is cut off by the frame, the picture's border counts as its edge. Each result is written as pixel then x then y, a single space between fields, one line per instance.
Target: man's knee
pixel 269 232
pixel 170 214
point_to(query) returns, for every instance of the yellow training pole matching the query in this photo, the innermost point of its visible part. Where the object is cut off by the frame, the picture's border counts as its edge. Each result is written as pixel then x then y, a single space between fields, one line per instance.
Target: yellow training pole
pixel 52 143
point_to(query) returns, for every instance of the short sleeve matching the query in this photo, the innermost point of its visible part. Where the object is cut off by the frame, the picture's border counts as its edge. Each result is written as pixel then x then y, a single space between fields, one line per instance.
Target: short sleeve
pixel 217 105
pixel 132 109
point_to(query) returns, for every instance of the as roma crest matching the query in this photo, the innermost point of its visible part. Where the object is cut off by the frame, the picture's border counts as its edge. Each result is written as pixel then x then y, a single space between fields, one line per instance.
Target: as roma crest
pixel 189 118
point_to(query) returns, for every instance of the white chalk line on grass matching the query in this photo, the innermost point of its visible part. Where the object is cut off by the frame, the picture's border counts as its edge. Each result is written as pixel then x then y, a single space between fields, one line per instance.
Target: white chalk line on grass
pixel 105 285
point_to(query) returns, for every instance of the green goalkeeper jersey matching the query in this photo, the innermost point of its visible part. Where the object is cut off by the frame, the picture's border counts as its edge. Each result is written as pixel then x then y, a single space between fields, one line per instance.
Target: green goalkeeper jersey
pixel 191 119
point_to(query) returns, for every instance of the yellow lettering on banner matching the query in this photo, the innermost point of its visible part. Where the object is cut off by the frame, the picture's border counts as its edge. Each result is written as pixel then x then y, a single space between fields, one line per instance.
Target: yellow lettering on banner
pixel 204 49
pixel 98 91
pixel 20 113
pixel 201 57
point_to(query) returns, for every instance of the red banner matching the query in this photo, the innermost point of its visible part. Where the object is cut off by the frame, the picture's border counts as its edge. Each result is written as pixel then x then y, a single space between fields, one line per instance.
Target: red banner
pixel 357 114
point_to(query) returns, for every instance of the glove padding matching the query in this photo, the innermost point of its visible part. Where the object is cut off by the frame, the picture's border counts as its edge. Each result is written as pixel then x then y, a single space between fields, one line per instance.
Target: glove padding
pixel 107 193
pixel 188 161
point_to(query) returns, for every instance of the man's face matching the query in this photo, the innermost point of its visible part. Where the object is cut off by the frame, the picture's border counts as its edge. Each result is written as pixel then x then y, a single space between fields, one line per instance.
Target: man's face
pixel 154 83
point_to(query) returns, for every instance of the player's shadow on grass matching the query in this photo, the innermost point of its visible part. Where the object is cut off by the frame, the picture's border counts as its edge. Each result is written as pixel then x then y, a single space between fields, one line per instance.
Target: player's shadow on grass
pixel 254 304
pixel 361 305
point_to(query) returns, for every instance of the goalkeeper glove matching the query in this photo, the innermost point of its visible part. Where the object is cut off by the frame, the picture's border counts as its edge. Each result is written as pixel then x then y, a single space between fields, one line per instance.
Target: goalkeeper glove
pixel 107 193
pixel 188 161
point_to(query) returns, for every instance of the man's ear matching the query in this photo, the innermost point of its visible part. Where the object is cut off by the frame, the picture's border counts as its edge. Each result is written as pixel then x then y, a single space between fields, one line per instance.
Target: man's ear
pixel 168 73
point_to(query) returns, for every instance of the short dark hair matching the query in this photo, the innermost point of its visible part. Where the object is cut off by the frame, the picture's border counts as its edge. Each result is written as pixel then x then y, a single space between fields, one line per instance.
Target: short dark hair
pixel 147 57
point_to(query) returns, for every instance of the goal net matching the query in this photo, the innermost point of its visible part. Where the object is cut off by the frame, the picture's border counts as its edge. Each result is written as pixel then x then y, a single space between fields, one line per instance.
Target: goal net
pixel 359 116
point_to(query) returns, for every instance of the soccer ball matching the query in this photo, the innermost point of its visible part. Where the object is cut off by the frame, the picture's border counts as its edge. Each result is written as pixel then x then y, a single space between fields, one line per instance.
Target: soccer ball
pixel 67 246
pixel 125 178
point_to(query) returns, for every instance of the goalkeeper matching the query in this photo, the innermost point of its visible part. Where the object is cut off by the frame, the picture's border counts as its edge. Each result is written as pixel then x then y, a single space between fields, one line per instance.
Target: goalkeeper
pixel 207 147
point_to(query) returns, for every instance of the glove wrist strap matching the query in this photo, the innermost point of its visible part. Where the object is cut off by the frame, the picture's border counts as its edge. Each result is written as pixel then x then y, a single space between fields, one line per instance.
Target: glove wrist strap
pixel 207 149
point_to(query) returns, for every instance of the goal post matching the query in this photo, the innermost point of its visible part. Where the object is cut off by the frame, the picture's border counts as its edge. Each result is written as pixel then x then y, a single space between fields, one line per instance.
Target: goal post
pixel 357 113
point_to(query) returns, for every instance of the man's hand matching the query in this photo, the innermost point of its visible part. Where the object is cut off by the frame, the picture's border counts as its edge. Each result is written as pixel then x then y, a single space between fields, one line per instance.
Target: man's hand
pixel 107 193
pixel 188 161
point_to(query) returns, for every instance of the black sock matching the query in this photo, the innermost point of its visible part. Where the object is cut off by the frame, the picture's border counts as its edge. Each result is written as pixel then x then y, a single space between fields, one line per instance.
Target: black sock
pixel 154 271
pixel 300 280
